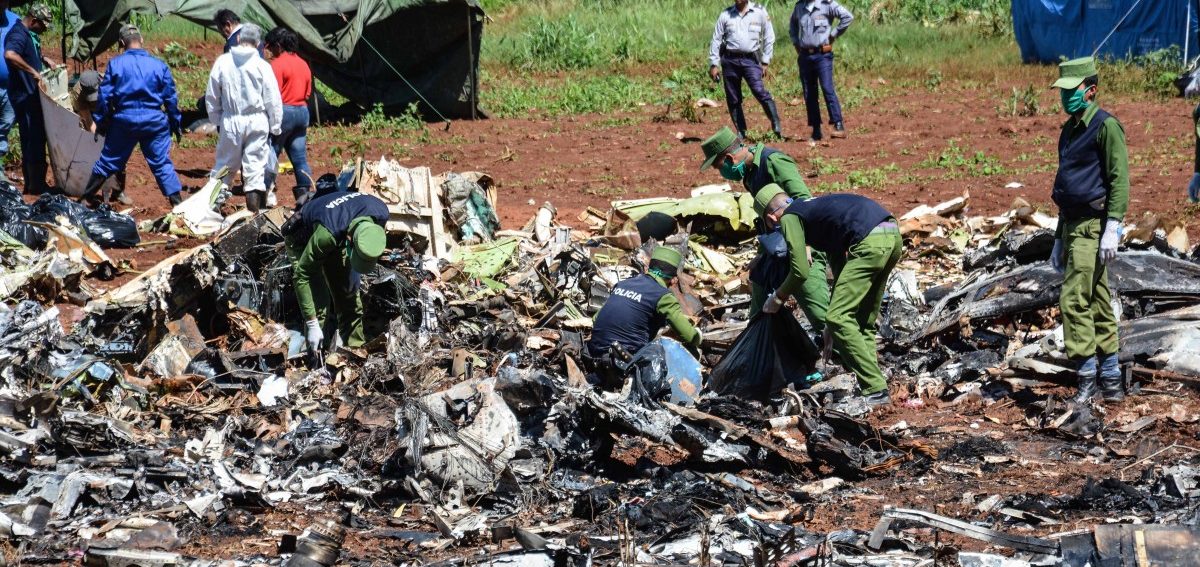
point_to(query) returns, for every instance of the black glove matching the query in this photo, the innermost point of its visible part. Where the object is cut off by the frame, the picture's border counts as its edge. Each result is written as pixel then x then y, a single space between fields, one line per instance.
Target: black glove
pixel 177 133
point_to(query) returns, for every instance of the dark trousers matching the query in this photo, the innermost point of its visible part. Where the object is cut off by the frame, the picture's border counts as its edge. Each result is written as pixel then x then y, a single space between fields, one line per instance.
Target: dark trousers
pixel 32 130
pixel 817 70
pixel 148 129
pixel 734 69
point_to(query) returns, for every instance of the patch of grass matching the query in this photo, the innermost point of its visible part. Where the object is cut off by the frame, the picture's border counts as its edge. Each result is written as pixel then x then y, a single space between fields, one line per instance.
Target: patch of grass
pixel 873 178
pixel 575 94
pixel 1022 102
pixel 956 161
pixel 825 166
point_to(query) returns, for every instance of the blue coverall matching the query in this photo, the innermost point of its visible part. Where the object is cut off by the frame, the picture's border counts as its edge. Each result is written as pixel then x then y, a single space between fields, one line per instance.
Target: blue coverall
pixel 137 104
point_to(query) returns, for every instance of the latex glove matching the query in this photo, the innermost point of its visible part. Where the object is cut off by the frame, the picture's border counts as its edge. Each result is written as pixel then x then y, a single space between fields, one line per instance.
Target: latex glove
pixel 314 336
pixel 772 304
pixel 1057 258
pixel 1109 240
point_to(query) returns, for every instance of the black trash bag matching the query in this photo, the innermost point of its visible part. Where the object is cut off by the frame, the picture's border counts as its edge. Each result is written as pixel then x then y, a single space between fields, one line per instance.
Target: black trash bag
pixel 771 353
pixel 49 206
pixel 109 228
pixel 648 370
pixel 772 264
pixel 12 221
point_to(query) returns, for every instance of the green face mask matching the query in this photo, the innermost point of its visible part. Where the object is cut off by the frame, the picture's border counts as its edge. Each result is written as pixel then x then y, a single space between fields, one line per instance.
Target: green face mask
pixel 1072 100
pixel 733 172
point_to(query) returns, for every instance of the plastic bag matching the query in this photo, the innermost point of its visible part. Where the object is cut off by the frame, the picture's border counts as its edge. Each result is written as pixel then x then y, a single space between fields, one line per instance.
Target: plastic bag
pixel 109 228
pixel 771 353
pixel 772 264
pixel 13 214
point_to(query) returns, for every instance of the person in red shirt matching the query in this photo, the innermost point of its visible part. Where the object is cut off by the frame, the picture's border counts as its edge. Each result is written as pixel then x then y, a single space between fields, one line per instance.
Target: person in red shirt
pixel 295 86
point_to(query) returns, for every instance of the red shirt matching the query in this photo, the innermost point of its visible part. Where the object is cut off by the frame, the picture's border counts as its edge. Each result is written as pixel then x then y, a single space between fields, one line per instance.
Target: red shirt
pixel 294 78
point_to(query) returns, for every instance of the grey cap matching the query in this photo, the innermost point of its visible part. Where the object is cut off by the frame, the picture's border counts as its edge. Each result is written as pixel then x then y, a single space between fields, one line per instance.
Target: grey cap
pixel 89 83
pixel 129 32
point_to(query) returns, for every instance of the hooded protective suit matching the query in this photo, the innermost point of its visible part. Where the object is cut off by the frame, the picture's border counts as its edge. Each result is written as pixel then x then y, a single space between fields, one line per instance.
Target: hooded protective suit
pixel 243 101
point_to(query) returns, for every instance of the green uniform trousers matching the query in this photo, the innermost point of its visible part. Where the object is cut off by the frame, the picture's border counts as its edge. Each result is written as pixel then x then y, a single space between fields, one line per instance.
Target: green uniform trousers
pixel 858 290
pixel 338 307
pixel 813 297
pixel 1089 324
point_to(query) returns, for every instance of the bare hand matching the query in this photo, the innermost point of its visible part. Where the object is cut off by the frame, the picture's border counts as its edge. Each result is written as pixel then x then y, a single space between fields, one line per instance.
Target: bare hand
pixel 714 72
pixel 765 70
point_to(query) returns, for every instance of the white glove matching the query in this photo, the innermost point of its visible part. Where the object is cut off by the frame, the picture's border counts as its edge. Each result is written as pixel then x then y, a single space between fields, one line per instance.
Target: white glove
pixel 314 336
pixel 1057 258
pixel 772 304
pixel 1109 240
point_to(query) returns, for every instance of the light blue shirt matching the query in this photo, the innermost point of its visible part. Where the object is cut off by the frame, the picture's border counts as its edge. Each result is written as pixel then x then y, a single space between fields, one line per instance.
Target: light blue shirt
pixel 751 32
pixel 811 25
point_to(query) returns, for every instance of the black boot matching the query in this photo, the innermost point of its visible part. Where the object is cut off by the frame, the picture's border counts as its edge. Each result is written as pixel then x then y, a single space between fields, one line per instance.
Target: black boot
pixel 1112 384
pixel 91 193
pixel 174 199
pixel 839 131
pixel 739 121
pixel 773 114
pixel 254 200
pixel 816 135
pixel 1086 376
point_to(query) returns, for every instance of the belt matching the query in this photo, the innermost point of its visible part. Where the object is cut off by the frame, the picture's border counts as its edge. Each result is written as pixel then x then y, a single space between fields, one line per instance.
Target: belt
pixel 816 50
pixel 886 227
pixel 727 53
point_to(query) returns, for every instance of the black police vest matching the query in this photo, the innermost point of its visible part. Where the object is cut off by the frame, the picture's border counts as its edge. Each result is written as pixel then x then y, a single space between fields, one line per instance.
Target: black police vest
pixel 1080 178
pixel 630 317
pixel 833 223
pixel 760 177
pixel 335 211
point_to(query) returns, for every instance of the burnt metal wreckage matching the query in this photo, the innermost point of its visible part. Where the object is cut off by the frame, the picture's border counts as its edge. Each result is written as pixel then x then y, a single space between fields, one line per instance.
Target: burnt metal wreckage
pixel 180 413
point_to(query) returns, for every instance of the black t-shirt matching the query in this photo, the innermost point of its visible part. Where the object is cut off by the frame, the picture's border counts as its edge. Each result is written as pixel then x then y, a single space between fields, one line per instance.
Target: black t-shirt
pixel 22 85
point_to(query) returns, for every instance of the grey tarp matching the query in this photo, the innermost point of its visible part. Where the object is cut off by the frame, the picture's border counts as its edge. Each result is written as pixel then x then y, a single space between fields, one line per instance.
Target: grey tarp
pixel 434 44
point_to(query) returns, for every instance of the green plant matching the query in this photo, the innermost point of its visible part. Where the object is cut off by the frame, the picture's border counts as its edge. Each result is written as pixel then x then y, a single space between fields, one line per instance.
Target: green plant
pixel 825 166
pixel 956 161
pixel 1023 102
pixel 177 56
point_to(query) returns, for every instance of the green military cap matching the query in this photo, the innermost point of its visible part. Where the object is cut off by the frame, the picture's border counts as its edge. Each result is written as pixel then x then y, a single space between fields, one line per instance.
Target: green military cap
pixel 367 242
pixel 763 198
pixel 717 145
pixel 1072 73
pixel 668 255
pixel 41 12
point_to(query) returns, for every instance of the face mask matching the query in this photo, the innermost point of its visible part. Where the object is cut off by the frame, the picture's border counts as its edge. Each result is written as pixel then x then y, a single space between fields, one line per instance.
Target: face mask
pixel 1072 100
pixel 733 172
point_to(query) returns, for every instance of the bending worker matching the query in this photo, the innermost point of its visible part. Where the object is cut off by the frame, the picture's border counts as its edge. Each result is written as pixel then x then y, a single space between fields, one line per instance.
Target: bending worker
pixel 136 105
pixel 639 307
pixel 1091 190
pixel 336 238
pixel 756 167
pixel 863 242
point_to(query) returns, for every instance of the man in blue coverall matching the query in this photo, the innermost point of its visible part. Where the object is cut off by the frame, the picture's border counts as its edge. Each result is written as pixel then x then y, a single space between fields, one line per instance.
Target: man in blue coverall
pixel 23 54
pixel 138 105
pixel 7 115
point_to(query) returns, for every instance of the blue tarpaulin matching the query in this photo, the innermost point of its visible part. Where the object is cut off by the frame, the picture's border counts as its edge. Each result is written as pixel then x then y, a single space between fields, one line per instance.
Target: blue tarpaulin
pixel 1050 30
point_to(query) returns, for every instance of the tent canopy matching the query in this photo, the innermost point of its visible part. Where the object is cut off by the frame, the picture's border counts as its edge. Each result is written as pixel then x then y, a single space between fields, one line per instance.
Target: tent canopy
pixel 352 45
pixel 1048 30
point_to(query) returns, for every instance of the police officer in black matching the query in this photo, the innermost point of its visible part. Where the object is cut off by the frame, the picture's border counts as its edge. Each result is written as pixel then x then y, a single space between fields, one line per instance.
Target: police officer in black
pixel 637 308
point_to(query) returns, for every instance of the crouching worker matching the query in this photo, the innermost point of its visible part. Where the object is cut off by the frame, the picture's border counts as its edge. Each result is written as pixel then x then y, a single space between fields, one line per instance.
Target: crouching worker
pixel 333 240
pixel 863 244
pixel 636 310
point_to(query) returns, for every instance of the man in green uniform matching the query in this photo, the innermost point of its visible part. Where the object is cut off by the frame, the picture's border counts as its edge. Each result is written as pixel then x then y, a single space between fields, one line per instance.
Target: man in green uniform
pixel 1091 190
pixel 756 167
pixel 863 243
pixel 638 307
pixel 336 238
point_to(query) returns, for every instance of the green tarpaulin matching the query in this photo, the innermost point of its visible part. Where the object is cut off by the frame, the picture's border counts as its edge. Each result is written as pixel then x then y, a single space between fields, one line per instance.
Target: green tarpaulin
pixel 434 44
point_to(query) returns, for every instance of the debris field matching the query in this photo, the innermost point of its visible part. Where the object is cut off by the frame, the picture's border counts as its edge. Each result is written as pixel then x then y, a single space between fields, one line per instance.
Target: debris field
pixel 181 422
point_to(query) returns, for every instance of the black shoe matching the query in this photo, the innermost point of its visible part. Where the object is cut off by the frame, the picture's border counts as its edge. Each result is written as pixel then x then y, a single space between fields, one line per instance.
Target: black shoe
pixel 839 131
pixel 816 135
pixel 1086 377
pixel 1112 387
pixel 91 192
pixel 254 200
pixel 880 398
pixel 174 199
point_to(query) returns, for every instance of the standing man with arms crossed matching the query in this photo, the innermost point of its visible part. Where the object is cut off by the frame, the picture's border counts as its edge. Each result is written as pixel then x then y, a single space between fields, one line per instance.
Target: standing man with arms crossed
pixel 1091 190
pixel 741 48
pixel 813 34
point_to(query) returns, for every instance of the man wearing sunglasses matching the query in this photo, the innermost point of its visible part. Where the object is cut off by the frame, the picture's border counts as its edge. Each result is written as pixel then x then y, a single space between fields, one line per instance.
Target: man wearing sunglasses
pixel 863 243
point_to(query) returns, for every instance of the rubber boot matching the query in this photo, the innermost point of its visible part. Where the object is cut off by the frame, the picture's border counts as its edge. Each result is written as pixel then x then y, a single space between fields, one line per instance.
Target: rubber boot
pixel 174 199
pixel 119 195
pixel 839 130
pixel 739 121
pixel 773 114
pixel 1112 386
pixel 91 191
pixel 254 201
pixel 1086 374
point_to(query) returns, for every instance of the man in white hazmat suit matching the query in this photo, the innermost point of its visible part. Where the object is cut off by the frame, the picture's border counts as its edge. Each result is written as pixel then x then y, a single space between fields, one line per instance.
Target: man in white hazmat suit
pixel 243 100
